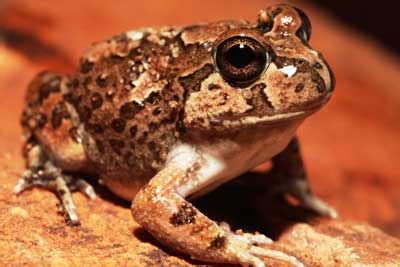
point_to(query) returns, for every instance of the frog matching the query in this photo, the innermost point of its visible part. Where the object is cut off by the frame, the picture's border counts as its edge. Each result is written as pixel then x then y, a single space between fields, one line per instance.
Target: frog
pixel 163 115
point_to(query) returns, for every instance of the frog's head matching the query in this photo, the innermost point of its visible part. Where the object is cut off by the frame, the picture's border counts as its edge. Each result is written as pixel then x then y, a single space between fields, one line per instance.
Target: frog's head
pixel 265 71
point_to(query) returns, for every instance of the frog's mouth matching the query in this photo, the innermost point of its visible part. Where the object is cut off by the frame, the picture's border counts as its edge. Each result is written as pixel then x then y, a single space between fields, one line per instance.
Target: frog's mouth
pixel 257 119
pixel 299 113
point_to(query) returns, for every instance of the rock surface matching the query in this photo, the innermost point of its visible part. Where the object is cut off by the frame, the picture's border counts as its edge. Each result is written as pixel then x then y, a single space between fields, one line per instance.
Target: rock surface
pixel 351 147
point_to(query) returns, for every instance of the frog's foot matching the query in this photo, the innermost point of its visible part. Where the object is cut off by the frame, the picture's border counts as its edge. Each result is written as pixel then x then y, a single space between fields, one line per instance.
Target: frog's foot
pixel 289 167
pixel 300 189
pixel 51 178
pixel 254 241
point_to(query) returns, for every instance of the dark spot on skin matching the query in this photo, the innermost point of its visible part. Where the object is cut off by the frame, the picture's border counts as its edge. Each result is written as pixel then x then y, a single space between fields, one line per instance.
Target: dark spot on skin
pixel 59 113
pixel 153 97
pixel 143 137
pixel 258 89
pixel 100 146
pixel 95 128
pixel 116 145
pixel 213 86
pixel 75 83
pixel 129 110
pixel 192 82
pixel 173 114
pixel 85 113
pixel 116 58
pixel 86 66
pixel 56 120
pixel 316 65
pixel 110 95
pixel 118 125
pixel 157 111
pixel 86 83
pixel 129 159
pixel 101 81
pixel 133 131
pixel 180 126
pixel 152 146
pixel 185 215
pixel 299 88
pixel 96 100
pixel 72 99
pixel 302 66
pixel 51 86
pixel 176 98
pixel 218 243
pixel 41 120
pixel 266 100
pixel 132 145
pixel 316 78
pixel 300 61
pixel 153 126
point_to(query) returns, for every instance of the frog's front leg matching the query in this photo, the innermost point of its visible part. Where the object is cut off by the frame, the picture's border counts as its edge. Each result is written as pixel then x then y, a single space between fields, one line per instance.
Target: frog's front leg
pixel 161 208
pixel 42 172
pixel 288 168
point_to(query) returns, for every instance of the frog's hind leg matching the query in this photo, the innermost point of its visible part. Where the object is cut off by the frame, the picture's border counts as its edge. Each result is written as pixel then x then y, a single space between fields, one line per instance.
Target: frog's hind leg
pixel 161 208
pixel 289 170
pixel 52 150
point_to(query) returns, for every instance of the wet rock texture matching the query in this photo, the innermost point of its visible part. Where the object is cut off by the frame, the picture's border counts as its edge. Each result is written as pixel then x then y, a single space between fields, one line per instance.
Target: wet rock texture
pixel 351 147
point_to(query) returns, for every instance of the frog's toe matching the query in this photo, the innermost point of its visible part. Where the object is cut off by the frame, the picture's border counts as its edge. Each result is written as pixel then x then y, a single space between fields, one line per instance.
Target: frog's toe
pixel 275 254
pixel 253 254
pixel 81 185
pixel 29 179
pixel 301 190
pixel 249 238
pixel 51 178
pixel 319 206
pixel 256 239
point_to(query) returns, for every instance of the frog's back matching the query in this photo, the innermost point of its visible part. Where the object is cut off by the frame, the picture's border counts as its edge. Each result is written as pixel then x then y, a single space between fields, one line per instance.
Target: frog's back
pixel 128 101
pixel 127 113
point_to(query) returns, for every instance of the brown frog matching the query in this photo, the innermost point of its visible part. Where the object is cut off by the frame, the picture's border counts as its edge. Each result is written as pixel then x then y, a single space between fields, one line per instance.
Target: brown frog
pixel 163 115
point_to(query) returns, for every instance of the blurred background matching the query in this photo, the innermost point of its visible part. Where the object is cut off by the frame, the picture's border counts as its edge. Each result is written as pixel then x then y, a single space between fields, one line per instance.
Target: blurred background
pixel 351 147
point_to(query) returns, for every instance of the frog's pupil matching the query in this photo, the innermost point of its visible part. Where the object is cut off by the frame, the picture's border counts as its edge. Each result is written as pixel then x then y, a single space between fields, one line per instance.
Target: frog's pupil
pixel 240 55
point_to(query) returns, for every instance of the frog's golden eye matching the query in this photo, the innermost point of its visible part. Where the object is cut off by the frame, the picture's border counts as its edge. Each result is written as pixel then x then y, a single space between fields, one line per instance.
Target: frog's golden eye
pixel 304 32
pixel 241 59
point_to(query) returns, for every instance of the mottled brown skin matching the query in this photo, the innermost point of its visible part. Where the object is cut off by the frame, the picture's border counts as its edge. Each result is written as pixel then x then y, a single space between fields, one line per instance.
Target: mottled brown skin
pixel 158 120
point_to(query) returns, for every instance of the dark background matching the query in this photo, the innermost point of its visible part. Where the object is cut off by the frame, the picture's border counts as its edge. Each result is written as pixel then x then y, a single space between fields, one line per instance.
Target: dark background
pixel 378 19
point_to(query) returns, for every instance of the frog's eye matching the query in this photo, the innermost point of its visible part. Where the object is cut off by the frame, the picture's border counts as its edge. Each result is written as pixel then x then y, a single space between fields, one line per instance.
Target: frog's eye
pixel 304 32
pixel 241 59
